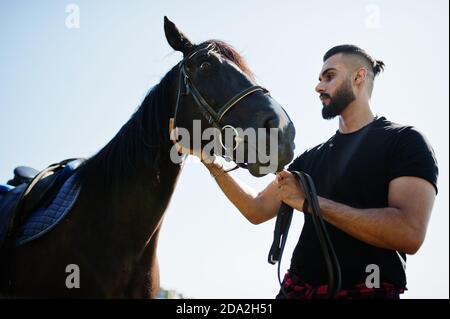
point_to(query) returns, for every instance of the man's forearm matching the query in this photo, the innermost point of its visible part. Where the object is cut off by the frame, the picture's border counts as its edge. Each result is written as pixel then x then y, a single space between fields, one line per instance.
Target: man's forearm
pixel 381 227
pixel 242 196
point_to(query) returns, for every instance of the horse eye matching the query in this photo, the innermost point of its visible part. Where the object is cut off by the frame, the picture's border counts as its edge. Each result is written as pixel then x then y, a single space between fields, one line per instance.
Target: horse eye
pixel 205 66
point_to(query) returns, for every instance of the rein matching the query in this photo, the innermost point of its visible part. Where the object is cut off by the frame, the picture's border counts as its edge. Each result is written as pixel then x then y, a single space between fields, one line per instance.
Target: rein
pixel 281 230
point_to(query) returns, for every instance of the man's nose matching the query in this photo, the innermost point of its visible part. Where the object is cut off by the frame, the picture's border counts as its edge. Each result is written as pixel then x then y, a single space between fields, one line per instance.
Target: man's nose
pixel 320 88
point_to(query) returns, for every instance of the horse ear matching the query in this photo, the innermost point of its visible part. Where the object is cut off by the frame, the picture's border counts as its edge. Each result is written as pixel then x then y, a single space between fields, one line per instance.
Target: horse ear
pixel 177 40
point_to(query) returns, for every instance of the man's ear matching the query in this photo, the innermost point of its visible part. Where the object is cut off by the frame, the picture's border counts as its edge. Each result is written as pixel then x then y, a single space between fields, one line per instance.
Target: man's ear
pixel 176 39
pixel 360 76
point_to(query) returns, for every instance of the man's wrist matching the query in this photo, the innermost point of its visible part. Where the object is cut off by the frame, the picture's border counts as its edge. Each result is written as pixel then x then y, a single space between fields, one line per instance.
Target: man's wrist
pixel 207 159
pixel 215 168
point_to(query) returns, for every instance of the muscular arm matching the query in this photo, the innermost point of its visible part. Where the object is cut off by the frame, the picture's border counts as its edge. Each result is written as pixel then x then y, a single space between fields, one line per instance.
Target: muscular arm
pixel 256 207
pixel 401 226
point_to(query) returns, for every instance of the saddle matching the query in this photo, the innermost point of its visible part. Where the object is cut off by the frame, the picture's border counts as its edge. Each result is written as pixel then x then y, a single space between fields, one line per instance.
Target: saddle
pixel 28 191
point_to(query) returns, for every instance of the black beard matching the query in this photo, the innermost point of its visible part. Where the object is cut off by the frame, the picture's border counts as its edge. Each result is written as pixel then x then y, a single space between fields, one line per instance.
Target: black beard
pixel 342 98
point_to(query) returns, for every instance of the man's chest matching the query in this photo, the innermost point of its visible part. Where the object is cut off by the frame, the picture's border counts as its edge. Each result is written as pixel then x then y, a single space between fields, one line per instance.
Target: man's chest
pixel 350 171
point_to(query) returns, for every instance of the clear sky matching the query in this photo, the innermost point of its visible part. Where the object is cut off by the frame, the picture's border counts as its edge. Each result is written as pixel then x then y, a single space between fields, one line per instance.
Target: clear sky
pixel 64 92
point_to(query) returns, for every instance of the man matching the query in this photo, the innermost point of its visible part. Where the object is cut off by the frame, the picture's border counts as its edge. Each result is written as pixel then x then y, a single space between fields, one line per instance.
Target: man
pixel 376 182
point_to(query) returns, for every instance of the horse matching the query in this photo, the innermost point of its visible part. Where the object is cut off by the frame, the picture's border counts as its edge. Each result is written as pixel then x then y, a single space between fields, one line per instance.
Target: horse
pixel 111 232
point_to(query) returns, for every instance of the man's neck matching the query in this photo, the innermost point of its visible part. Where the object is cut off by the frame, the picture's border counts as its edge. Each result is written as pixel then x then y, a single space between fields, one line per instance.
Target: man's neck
pixel 355 116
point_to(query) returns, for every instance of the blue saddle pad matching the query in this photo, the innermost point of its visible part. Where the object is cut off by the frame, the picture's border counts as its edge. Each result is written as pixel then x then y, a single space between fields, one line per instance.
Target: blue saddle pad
pixel 8 201
pixel 43 220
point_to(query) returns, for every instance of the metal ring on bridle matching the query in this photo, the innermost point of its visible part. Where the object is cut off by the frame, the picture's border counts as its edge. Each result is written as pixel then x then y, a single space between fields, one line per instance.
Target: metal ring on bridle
pixel 236 139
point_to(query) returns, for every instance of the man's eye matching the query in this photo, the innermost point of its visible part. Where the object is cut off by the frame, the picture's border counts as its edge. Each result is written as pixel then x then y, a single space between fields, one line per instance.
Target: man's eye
pixel 205 66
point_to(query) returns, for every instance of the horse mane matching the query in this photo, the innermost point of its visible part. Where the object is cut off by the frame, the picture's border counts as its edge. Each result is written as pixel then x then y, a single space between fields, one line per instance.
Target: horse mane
pixel 231 54
pixel 145 135
pixel 139 142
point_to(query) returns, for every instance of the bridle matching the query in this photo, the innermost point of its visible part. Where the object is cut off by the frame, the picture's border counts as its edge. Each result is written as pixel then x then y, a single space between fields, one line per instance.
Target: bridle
pixel 212 117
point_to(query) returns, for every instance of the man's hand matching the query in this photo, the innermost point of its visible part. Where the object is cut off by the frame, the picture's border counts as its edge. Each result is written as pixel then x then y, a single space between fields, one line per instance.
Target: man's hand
pixel 290 191
pixel 182 149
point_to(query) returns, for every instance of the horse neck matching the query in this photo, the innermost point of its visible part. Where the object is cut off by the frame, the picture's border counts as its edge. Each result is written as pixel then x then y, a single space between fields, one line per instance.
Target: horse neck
pixel 133 177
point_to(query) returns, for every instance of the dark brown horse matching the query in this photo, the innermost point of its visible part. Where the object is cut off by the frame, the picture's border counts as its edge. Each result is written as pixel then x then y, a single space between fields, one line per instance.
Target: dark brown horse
pixel 112 231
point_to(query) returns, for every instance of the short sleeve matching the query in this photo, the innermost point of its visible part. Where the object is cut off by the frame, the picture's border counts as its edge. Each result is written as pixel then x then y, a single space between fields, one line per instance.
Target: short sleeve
pixel 297 164
pixel 413 155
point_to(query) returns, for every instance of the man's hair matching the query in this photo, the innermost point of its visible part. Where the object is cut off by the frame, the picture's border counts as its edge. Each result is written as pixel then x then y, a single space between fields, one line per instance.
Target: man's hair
pixel 373 66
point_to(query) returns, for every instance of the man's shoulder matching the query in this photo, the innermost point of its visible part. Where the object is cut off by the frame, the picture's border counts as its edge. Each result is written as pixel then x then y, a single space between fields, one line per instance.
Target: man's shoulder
pixel 310 152
pixel 392 127
pixel 382 130
pixel 400 131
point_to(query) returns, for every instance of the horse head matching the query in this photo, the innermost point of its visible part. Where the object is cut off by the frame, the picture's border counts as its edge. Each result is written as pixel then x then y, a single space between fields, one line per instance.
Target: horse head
pixel 216 90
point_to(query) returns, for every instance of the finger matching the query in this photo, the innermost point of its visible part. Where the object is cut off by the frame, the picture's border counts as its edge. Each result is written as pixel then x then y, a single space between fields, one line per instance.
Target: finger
pixel 280 194
pixel 284 174
pixel 281 181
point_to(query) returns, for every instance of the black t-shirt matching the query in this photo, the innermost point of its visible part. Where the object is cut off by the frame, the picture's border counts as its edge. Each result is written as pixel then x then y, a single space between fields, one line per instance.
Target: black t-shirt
pixel 355 169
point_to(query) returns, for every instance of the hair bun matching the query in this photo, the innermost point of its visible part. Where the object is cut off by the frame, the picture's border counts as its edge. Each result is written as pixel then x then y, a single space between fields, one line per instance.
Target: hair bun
pixel 378 67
